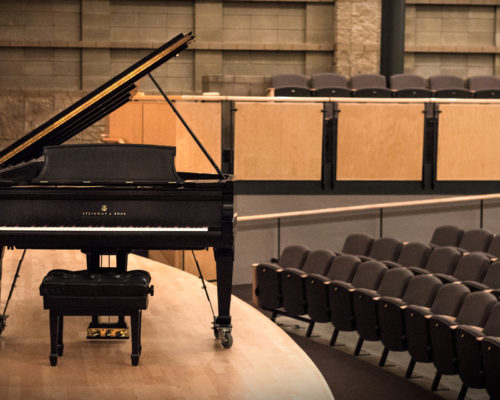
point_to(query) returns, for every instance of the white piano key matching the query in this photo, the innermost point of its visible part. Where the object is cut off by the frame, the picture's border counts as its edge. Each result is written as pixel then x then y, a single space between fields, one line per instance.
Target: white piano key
pixel 103 229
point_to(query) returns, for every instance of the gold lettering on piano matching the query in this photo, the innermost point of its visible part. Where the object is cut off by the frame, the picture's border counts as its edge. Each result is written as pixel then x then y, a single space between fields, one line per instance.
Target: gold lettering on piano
pixel 104 212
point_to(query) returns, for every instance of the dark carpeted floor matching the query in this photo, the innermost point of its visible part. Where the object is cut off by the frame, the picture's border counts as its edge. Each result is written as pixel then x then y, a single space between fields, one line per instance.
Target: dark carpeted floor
pixel 349 377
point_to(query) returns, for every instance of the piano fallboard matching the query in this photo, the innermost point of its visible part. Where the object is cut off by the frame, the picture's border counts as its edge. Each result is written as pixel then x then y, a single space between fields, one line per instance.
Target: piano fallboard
pixel 168 217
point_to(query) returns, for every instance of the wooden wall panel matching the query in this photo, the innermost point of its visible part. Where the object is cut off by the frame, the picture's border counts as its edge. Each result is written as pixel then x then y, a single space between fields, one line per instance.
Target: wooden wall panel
pixel 157 125
pixel 126 123
pixel 205 121
pixel 380 142
pixel 468 142
pixel 278 141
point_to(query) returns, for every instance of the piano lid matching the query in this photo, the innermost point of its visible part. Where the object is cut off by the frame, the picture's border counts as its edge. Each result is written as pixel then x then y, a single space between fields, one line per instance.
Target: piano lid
pixel 92 107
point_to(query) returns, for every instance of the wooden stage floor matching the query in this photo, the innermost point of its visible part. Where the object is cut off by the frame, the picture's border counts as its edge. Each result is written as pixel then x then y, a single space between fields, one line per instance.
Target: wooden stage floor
pixel 180 357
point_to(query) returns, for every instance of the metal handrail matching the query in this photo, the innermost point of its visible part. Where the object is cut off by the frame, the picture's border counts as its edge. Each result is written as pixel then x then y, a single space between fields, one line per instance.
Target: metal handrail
pixel 367 207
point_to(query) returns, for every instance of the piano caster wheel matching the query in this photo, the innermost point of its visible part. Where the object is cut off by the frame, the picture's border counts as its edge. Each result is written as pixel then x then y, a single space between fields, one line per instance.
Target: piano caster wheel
pixel 60 349
pixel 226 339
pixel 135 359
pixel 53 360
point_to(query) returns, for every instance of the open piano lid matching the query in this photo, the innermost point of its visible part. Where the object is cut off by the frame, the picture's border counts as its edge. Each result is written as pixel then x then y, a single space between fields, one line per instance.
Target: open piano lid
pixel 91 108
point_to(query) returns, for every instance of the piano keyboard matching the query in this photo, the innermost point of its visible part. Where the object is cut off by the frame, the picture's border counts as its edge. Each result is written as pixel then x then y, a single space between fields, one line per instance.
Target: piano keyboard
pixel 103 229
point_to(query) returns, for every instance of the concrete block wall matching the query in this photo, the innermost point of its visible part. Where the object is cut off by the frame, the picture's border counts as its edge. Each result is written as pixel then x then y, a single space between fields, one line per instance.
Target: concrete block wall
pixel 452 37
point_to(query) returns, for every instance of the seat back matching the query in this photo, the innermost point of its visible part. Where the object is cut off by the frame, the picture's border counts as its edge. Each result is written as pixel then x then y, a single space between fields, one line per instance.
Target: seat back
pixel 394 282
pixel 472 267
pixel 414 254
pixel 448 86
pixel 358 244
pixel 476 240
pixel 293 256
pixel 343 267
pixel 449 299
pixel 440 82
pixel 483 82
pixel 476 308
pixel 289 80
pixel 368 81
pixel 369 275
pixel 494 247
pixel 318 262
pixel 385 249
pixel 492 277
pixel 422 290
pixel 492 326
pixel 406 81
pixel 447 235
pixel 443 260
pixel 327 80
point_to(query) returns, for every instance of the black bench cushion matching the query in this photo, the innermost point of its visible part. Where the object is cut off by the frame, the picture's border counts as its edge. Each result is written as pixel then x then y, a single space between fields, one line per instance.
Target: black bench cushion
pixel 61 282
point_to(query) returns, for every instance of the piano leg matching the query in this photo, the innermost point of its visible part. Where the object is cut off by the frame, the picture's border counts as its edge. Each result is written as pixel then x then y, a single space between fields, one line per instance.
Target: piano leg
pixel 224 258
pixel 2 318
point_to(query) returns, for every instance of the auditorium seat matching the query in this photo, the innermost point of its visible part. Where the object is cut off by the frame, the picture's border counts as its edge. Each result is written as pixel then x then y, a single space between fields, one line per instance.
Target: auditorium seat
pixel 484 86
pixel 369 85
pixel 421 291
pixel 293 280
pixel 290 85
pixel 490 354
pixel 447 235
pixel 494 247
pixel 384 249
pixel 468 345
pixel 491 279
pixel 329 84
pixel 448 301
pixel 474 311
pixel 358 244
pixel 393 284
pixel 408 85
pixel 413 254
pixel 449 86
pixel 368 275
pixel 470 267
pixel 476 240
pixel 342 269
pixel 268 275
pixel 441 260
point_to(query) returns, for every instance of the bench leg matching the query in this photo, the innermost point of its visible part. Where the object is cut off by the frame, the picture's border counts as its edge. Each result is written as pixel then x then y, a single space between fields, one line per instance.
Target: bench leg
pixel 60 345
pixel 135 321
pixel 54 324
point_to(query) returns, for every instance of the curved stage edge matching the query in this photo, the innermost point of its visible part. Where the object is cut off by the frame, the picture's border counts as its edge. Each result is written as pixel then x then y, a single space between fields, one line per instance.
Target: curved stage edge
pixel 180 357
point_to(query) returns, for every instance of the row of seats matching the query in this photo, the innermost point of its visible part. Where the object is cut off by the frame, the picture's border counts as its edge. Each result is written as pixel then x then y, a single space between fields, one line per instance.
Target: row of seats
pixel 374 85
pixel 360 292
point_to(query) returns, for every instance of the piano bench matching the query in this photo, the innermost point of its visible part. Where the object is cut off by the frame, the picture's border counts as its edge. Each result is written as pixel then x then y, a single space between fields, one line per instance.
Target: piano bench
pixel 106 292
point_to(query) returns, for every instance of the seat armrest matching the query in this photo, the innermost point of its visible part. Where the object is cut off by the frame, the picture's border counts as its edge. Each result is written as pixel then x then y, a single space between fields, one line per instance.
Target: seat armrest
pixel 320 278
pixel 475 286
pixel 294 271
pixel 367 292
pixel 392 264
pixel 342 285
pixel 444 320
pixel 418 270
pixel 393 301
pixel 273 267
pixel 445 278
pixel 475 331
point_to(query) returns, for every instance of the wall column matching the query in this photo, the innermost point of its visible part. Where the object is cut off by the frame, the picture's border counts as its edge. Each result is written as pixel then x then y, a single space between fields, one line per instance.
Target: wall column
pixel 357 36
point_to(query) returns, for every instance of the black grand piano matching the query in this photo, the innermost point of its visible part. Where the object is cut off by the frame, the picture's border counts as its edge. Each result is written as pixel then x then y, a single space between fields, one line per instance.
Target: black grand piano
pixel 115 198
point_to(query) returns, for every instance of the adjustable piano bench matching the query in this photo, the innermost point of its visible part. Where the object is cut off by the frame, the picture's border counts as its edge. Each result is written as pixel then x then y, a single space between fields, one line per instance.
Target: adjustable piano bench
pixel 106 292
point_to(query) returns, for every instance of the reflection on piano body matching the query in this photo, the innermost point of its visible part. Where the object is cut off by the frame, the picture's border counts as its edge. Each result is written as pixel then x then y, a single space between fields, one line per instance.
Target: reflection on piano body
pixel 114 198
